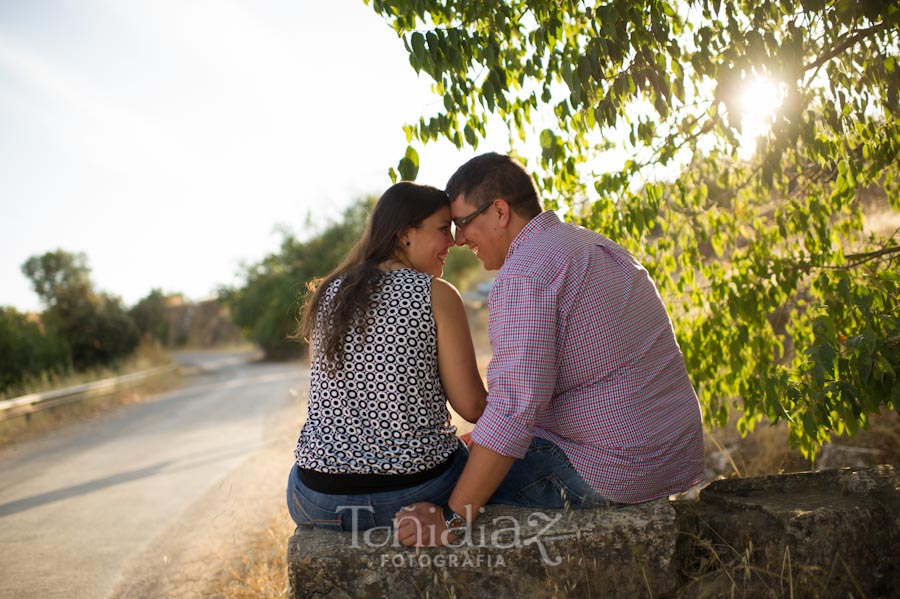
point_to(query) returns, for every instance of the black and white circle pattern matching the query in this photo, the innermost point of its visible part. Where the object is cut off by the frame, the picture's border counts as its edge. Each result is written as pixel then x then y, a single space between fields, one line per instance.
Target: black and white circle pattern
pixel 385 410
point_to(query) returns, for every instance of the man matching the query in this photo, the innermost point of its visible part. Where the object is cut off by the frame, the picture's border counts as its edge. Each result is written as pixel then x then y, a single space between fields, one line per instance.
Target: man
pixel 589 402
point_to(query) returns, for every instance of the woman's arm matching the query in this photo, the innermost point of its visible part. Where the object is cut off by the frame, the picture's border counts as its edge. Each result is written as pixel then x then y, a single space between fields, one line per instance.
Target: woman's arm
pixel 456 354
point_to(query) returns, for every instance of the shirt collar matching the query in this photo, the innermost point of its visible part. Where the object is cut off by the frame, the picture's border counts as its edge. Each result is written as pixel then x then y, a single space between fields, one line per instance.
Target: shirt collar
pixel 541 222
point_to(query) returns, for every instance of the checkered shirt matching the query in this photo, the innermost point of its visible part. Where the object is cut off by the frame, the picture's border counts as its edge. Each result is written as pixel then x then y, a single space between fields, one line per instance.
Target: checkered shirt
pixel 584 355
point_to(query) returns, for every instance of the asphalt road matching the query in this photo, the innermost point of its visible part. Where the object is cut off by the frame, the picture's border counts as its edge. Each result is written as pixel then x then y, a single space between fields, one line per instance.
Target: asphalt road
pixel 79 507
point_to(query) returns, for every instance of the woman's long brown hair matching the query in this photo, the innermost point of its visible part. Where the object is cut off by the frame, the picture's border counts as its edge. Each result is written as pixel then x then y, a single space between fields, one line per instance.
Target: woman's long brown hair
pixel 404 205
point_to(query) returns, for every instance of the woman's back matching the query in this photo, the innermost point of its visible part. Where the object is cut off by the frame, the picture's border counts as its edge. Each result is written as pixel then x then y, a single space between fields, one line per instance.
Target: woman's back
pixel 383 411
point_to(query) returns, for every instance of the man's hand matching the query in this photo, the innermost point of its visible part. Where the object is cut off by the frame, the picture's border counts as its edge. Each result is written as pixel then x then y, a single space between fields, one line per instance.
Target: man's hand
pixel 422 525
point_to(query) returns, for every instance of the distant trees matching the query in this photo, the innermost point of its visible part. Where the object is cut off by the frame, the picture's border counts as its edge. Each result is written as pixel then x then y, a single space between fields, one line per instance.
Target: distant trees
pixel 149 316
pixel 80 328
pixel 267 306
pixel 28 349
pixel 95 326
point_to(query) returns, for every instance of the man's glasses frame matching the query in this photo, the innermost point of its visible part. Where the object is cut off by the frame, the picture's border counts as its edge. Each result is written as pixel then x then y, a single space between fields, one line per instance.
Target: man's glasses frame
pixel 462 221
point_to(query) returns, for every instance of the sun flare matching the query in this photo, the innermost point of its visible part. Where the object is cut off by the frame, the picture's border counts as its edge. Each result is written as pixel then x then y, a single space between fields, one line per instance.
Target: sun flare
pixel 759 99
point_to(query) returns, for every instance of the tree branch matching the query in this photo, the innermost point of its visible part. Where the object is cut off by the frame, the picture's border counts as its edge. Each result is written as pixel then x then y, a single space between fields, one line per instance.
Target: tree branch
pixel 841 47
pixel 864 257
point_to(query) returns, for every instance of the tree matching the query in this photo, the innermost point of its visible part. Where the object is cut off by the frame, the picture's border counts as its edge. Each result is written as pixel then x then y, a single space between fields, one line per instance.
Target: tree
pixel 62 280
pixel 267 307
pixel 629 115
pixel 94 326
pixel 28 349
pixel 149 316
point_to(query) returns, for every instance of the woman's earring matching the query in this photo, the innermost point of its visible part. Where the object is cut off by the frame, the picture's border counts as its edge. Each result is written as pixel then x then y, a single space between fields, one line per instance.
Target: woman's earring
pixel 407 243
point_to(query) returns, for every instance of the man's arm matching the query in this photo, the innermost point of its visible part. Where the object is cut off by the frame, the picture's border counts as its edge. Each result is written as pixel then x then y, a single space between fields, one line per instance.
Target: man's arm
pixel 521 378
pixel 423 525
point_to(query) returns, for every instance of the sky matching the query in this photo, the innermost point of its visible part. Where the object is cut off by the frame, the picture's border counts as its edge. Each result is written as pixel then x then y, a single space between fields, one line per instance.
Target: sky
pixel 169 140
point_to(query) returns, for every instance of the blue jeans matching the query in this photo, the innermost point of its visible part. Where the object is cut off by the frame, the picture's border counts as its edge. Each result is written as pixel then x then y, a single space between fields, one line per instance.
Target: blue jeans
pixel 545 478
pixel 364 511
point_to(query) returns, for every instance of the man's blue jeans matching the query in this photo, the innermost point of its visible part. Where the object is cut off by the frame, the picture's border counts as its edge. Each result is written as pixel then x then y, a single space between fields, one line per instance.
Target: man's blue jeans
pixel 545 478
pixel 364 511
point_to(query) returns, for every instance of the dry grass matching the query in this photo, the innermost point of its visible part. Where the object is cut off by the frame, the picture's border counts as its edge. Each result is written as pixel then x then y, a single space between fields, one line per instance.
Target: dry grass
pixel 767 449
pixel 764 451
pixel 148 354
pixel 261 572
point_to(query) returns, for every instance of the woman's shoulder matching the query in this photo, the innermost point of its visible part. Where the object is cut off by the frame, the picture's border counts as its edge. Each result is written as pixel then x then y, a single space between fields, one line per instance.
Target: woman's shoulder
pixel 443 287
pixel 444 294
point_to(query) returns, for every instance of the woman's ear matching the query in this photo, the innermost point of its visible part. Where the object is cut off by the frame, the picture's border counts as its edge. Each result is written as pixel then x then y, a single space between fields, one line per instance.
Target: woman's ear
pixel 403 237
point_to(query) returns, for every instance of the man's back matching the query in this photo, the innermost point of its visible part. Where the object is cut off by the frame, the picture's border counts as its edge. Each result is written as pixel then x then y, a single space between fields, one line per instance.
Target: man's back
pixel 573 306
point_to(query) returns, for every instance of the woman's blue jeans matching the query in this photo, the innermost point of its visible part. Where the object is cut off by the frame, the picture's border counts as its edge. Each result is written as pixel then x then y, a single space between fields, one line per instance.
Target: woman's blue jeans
pixel 364 511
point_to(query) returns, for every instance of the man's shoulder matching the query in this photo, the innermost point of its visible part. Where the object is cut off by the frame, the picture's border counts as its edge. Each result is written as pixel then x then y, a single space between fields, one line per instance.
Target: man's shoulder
pixel 551 246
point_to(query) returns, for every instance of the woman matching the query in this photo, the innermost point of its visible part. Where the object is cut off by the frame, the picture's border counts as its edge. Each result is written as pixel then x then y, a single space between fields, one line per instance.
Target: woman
pixel 389 346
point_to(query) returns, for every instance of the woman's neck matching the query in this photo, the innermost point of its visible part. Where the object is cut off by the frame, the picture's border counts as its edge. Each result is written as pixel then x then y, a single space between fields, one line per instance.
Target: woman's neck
pixel 393 264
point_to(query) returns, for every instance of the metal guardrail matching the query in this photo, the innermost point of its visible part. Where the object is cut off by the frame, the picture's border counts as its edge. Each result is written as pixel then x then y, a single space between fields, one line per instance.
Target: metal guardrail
pixel 34 402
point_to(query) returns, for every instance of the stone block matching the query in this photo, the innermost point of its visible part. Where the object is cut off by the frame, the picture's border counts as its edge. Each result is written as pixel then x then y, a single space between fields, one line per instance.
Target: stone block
pixel 833 533
pixel 511 553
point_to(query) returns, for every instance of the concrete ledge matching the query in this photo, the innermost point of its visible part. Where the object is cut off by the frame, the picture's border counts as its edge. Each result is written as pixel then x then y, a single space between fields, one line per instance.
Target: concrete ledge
pixel 834 533
pixel 512 552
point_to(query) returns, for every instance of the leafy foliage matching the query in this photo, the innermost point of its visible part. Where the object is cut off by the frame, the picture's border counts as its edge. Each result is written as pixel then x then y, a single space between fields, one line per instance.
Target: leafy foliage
pixel 267 306
pixel 149 316
pixel 79 328
pixel 95 326
pixel 461 268
pixel 28 349
pixel 629 114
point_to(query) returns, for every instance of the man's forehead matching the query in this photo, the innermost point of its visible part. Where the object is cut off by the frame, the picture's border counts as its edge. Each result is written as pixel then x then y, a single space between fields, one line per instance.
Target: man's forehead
pixel 459 203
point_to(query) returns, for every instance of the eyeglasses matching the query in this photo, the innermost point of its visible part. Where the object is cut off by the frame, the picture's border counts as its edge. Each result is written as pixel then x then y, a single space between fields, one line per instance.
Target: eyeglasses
pixel 465 220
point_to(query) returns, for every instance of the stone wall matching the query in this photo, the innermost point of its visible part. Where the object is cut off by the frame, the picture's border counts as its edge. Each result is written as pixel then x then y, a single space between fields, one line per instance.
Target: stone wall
pixel 825 534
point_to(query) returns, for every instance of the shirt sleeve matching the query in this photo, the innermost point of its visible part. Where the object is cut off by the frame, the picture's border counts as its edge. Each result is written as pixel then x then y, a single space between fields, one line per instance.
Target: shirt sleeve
pixel 522 372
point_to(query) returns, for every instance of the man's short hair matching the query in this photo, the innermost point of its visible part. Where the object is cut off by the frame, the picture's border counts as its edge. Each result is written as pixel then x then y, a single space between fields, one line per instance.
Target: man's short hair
pixel 489 176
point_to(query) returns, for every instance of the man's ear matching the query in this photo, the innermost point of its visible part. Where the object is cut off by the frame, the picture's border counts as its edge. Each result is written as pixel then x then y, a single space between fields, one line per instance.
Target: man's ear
pixel 503 211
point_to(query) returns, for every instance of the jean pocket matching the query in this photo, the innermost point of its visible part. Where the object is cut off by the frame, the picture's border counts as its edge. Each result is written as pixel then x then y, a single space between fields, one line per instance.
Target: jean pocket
pixel 553 492
pixel 307 513
pixel 547 492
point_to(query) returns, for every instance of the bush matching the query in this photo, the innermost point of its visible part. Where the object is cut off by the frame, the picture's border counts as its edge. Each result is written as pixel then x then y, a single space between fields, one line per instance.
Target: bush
pixel 27 349
pixel 267 306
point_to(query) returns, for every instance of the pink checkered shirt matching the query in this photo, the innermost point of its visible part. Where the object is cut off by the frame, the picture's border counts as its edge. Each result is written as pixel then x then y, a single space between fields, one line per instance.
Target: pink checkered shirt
pixel 584 355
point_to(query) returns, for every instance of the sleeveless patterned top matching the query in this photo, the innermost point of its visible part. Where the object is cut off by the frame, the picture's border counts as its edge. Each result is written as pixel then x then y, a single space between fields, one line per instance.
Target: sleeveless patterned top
pixel 384 411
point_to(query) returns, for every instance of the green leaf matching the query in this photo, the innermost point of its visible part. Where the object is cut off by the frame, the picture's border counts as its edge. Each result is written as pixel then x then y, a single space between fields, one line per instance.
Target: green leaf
pixel 810 427
pixel 547 139
pixel 890 276
pixel 418 46
pixel 865 369
pixel 409 165
pixel 471 138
